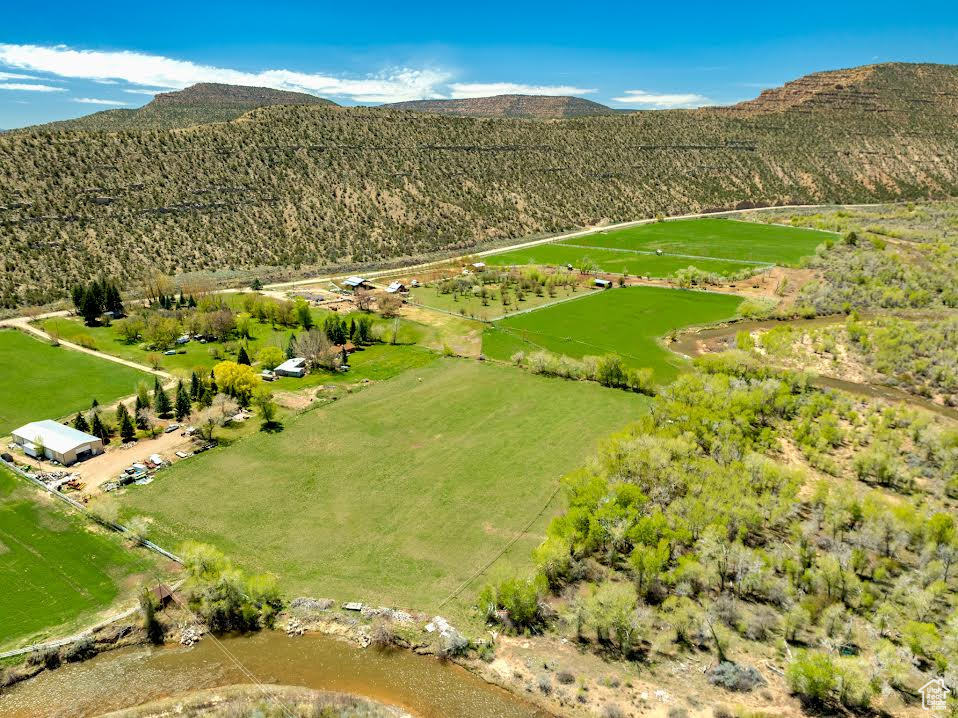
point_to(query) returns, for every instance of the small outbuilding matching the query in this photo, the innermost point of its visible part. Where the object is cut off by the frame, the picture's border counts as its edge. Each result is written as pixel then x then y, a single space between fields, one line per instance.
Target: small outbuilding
pixel 295 367
pixel 479 266
pixel 162 594
pixel 356 283
pixel 395 287
pixel 603 283
pixel 51 440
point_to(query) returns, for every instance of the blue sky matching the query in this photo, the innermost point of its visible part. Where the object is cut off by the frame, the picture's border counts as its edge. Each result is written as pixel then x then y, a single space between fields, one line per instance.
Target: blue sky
pixel 65 59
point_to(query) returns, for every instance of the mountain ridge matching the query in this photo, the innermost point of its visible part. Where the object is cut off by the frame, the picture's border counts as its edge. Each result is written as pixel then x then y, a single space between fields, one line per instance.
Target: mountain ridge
pixel 517 106
pixel 297 188
pixel 199 104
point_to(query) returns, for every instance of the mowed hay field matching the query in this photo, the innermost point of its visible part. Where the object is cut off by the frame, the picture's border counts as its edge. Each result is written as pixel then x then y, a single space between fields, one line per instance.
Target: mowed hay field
pixel 55 568
pixel 638 264
pixel 40 381
pixel 397 494
pixel 627 321
pixel 716 238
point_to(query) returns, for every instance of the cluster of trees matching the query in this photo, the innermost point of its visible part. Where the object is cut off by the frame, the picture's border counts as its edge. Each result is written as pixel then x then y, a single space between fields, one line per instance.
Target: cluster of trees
pixel 608 370
pixel 208 401
pixel 887 257
pixel 918 355
pixel 689 530
pixel 223 596
pixel 268 181
pixel 508 287
pixel 92 300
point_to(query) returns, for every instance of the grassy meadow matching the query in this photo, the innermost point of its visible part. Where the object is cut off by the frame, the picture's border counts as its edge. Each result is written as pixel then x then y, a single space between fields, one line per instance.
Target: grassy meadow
pixel 397 493
pixel 718 238
pixel 56 570
pixel 40 381
pixel 627 321
pixel 613 260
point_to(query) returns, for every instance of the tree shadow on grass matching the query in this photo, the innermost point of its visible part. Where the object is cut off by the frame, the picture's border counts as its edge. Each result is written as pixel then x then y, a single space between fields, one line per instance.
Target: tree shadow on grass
pixel 271 427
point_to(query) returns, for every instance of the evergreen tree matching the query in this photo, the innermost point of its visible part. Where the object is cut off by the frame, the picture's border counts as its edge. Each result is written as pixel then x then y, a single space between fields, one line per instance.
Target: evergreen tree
pixel 164 406
pixel 352 329
pixel 80 423
pixel 121 411
pixel 291 347
pixel 77 294
pixel 213 387
pixel 195 387
pixel 98 429
pixel 183 404
pixel 91 308
pixel 157 387
pixel 243 357
pixel 94 404
pixel 127 430
pixel 192 302
pixel 113 302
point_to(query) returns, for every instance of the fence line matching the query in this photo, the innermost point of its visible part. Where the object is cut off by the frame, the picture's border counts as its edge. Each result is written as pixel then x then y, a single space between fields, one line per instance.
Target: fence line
pixel 113 526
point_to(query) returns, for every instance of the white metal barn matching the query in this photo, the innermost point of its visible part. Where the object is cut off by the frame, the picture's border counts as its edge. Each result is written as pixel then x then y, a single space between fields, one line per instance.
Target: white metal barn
pixel 57 442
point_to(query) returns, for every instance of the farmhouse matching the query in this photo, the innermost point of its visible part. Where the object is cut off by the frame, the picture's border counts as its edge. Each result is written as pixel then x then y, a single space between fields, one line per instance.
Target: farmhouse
pixel 295 367
pixel 56 442
pixel 396 287
pixel 356 283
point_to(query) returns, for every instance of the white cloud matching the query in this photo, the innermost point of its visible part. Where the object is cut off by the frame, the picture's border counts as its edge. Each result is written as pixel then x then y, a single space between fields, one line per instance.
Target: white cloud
pixel 139 68
pixel 97 101
pixel 146 92
pixel 662 101
pixel 28 87
pixel 17 76
pixel 464 90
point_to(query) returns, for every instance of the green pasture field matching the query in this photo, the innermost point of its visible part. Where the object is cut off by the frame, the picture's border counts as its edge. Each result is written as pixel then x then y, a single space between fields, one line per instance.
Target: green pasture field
pixel 57 572
pixel 396 494
pixel 40 381
pixel 614 261
pixel 719 238
pixel 627 321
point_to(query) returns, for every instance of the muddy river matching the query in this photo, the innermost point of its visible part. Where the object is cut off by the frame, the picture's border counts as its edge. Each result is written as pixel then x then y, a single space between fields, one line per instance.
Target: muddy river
pixel 117 679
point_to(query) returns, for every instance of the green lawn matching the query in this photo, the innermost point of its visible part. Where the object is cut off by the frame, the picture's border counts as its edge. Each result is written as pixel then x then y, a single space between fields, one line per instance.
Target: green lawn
pixel 40 381
pixel 720 238
pixel 56 570
pixel 396 494
pixel 611 260
pixel 627 321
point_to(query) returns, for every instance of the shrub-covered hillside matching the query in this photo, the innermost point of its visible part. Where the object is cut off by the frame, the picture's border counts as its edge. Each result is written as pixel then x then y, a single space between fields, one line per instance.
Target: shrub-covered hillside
pixel 297 187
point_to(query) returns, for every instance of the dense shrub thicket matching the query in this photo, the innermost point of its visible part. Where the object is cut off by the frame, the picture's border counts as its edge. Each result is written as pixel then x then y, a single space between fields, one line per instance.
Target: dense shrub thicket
pixel 691 530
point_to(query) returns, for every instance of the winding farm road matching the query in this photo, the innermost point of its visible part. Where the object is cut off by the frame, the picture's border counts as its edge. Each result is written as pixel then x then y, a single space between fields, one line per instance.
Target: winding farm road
pixel 24 324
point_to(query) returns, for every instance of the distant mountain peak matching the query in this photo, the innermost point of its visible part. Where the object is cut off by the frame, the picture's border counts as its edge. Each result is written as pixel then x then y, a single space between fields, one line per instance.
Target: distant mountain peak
pixel 529 107
pixel 885 87
pixel 216 93
pixel 199 104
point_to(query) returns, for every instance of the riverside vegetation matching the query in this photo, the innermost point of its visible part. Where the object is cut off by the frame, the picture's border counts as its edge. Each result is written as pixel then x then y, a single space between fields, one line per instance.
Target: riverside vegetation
pixel 762 520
